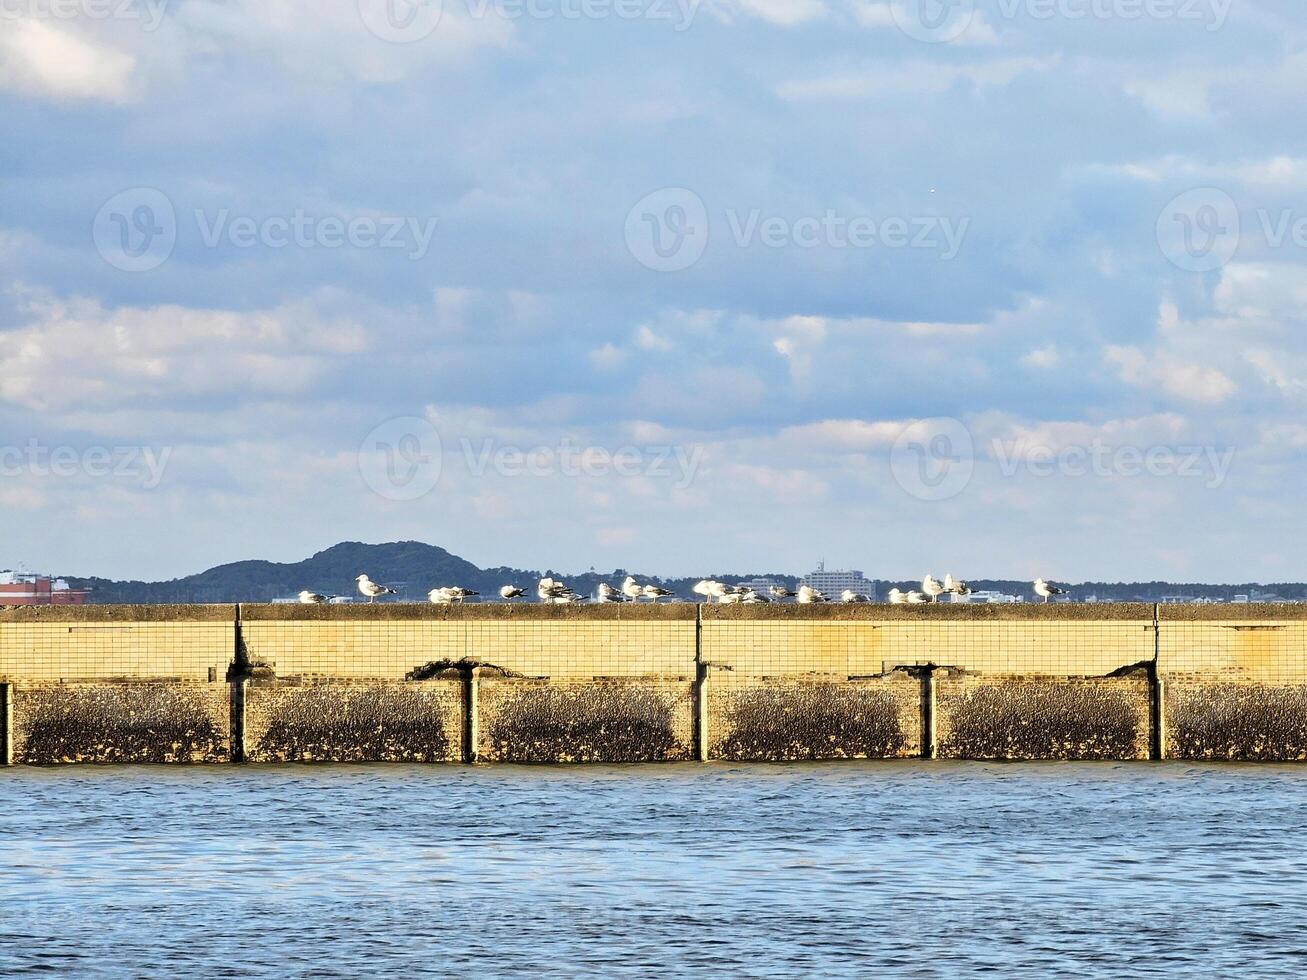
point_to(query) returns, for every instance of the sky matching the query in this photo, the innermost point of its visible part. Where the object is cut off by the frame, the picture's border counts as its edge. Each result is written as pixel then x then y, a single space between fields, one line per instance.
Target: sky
pixel 999 288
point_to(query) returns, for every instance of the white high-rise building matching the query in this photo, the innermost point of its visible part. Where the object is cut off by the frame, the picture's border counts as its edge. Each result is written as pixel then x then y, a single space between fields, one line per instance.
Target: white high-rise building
pixel 833 583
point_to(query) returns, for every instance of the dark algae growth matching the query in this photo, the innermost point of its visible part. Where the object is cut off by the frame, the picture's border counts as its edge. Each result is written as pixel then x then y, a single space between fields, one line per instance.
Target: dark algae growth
pixel 786 722
pixel 1037 720
pixel 141 723
pixel 367 723
pixel 1239 722
pixel 591 723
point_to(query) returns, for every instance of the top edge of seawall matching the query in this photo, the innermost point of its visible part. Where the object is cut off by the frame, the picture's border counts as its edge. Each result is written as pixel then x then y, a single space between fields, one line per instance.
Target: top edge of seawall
pixel 662 612
pixel 483 611
pixel 935 612
pixel 1230 613
pixel 176 613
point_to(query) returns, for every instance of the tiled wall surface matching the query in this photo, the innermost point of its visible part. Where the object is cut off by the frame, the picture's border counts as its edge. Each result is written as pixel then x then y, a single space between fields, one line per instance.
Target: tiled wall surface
pixel 94 642
pixel 874 640
pixel 1255 643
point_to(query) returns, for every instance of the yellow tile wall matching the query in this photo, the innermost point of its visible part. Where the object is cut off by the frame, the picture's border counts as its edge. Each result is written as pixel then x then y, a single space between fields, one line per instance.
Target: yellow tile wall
pixel 536 648
pixel 861 648
pixel 52 651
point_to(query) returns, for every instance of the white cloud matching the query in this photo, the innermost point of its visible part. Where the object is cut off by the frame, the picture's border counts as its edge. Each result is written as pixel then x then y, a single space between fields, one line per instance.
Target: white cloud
pixel 79 354
pixel 1164 374
pixel 893 79
pixel 1042 359
pixel 41 59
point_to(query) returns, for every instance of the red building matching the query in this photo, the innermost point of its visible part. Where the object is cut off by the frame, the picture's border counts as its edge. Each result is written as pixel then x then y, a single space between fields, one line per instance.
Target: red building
pixel 22 589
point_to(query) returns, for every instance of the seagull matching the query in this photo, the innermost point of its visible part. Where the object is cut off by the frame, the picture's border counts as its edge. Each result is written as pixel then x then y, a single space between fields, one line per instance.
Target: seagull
pixel 897 597
pixel 454 594
pixel 548 590
pixel 730 598
pixel 1042 588
pixel 440 597
pixel 916 598
pixel 931 587
pixel 371 589
pixel 631 588
pixel 511 592
pixel 712 589
pixel 752 598
pixel 810 596
pixel 848 595
pixel 703 587
pixel 314 598
pixel 956 587
pixel 781 592
pixel 608 594
pixel 569 598
pixel 653 592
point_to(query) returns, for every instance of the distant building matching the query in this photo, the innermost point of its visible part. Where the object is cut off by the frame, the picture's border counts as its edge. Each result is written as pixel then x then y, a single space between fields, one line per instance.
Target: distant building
pixel 22 589
pixel 833 583
pixel 760 584
pixel 988 595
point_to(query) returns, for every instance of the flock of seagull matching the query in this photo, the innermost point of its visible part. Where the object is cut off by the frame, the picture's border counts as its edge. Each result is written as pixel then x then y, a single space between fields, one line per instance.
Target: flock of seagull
pixel 552 591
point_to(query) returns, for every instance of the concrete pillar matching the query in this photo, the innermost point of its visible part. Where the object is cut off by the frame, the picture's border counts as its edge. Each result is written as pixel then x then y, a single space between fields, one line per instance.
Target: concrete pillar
pixel 471 726
pixel 239 689
pixel 928 747
pixel 701 714
pixel 6 724
pixel 1158 714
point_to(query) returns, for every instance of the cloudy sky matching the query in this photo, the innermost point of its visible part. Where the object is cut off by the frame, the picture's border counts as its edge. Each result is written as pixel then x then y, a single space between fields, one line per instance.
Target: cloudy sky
pixel 997 288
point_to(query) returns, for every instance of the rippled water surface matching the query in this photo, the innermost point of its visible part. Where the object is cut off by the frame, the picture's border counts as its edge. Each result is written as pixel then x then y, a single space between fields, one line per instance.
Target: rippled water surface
pixel 899 869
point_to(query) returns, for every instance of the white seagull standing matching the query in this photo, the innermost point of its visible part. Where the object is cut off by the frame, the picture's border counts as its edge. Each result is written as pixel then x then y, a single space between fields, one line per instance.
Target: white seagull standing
pixel 511 592
pixel 550 590
pixel 956 587
pixel 631 588
pixel 931 587
pixel 371 589
pixel 654 592
pixel 314 598
pixel 1047 591
pixel 609 594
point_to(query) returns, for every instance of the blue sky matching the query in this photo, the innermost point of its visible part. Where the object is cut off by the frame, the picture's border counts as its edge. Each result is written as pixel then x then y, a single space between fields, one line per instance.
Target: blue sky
pixel 1011 287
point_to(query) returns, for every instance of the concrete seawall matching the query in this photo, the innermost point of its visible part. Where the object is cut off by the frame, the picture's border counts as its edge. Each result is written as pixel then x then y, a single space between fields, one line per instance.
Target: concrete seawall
pixel 622 683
